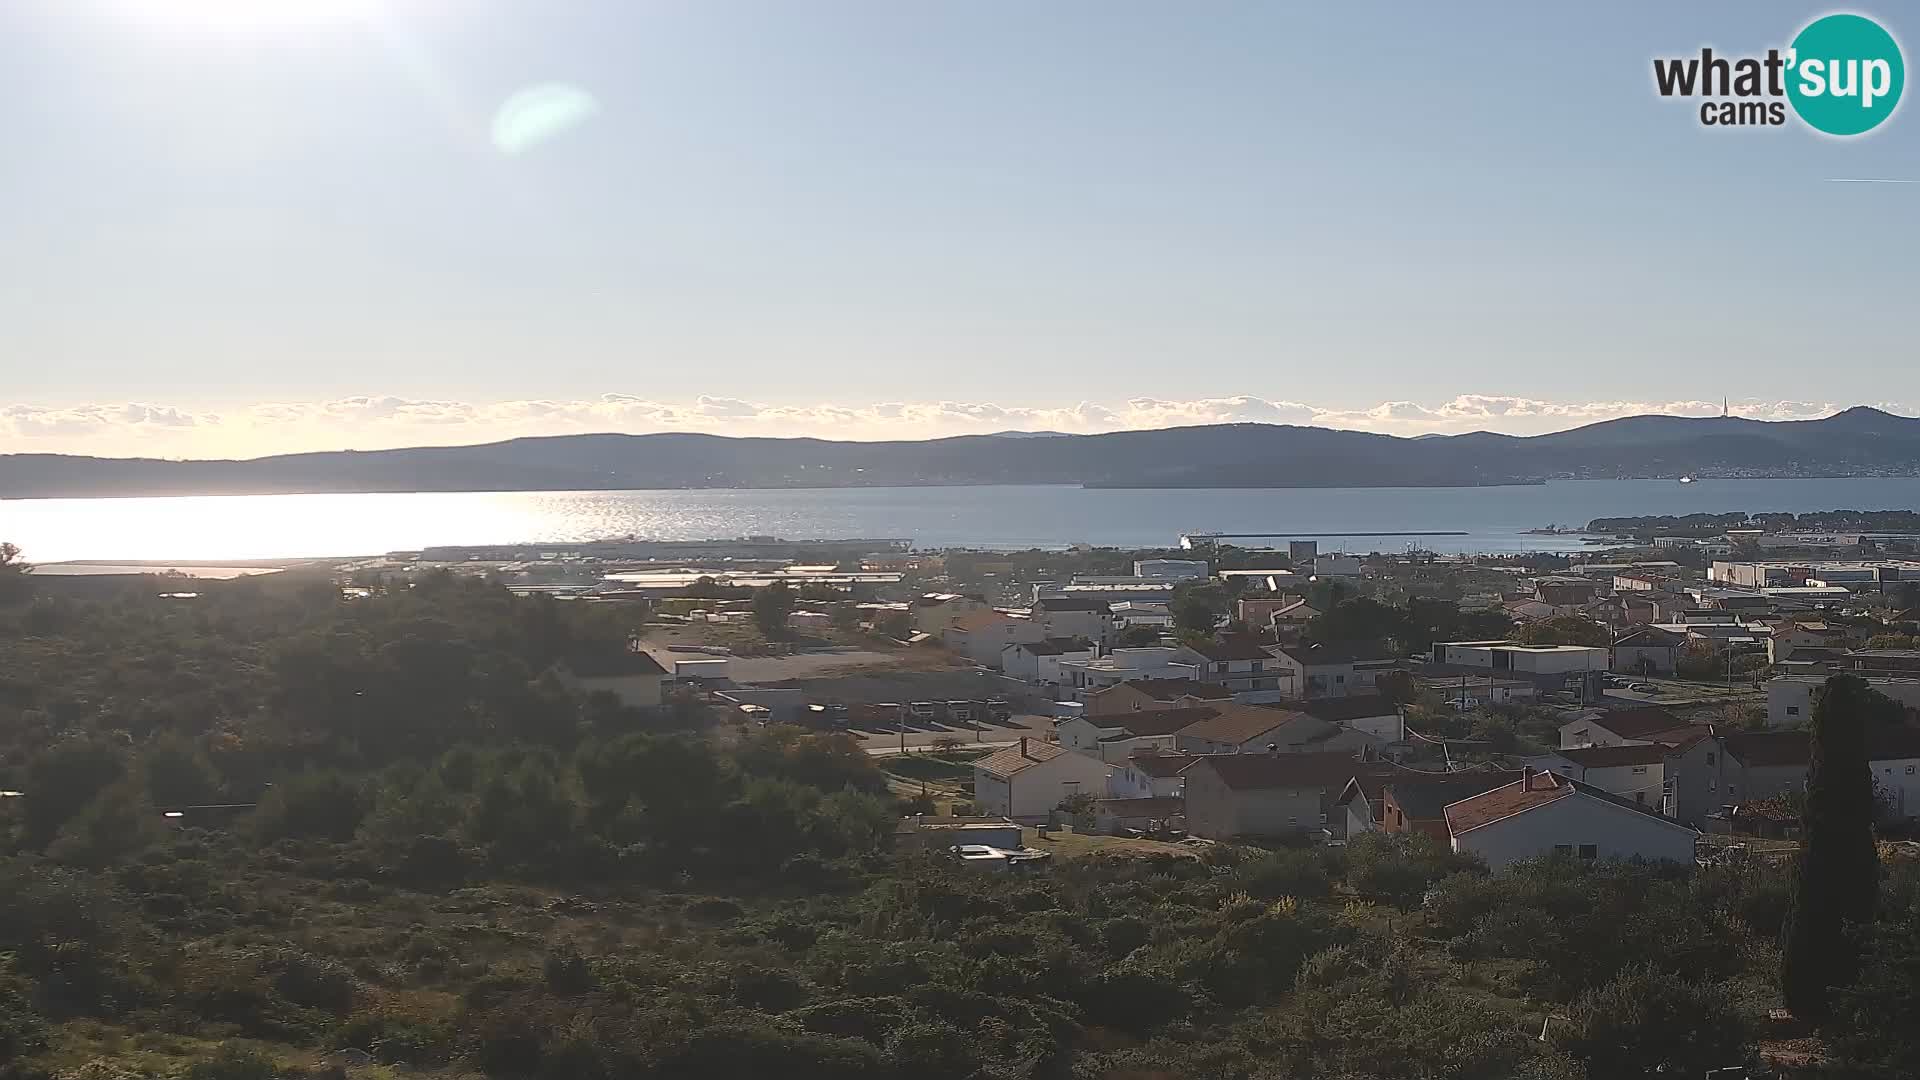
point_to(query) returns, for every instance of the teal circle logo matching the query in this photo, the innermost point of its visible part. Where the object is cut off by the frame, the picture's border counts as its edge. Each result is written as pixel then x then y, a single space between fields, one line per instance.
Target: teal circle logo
pixel 1845 74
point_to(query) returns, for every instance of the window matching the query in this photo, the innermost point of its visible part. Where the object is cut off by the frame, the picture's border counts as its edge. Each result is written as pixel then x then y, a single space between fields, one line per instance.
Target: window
pixel 1709 757
pixel 1293 823
pixel 1729 790
pixel 1909 770
pixel 1640 797
pixel 1323 817
pixel 1563 849
pixel 1793 710
pixel 1639 770
pixel 1220 667
pixel 1257 666
pixel 1340 678
pixel 1589 851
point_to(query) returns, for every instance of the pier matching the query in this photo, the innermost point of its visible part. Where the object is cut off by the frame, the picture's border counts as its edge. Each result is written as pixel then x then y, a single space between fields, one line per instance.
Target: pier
pixel 1190 540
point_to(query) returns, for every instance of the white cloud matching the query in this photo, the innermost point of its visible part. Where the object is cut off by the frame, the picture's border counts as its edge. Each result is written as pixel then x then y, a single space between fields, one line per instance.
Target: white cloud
pixel 373 421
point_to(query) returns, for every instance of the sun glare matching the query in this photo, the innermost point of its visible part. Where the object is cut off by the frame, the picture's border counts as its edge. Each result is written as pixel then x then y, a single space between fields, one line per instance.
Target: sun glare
pixel 247 14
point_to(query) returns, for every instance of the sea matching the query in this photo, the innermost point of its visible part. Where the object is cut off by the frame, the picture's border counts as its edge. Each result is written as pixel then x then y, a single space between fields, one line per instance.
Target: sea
pixel 1478 520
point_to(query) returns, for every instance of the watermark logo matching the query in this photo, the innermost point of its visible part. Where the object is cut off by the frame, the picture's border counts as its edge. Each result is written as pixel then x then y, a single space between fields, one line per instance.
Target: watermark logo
pixel 1842 75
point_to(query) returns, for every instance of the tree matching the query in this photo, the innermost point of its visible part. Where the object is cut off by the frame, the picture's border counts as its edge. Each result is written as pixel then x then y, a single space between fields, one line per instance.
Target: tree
pixel 13 573
pixel 1566 630
pixel 1138 637
pixel 1396 686
pixel 1197 608
pixel 771 606
pixel 1646 1022
pixel 1835 888
pixel 1364 621
pixel 63 780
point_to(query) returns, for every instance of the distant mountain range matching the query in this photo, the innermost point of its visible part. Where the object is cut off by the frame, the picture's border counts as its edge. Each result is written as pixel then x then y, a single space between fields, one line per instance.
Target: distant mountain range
pixel 1859 440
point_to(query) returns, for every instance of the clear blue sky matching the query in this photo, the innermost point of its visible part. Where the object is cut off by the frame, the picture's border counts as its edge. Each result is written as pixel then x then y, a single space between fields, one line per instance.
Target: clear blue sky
pixel 800 210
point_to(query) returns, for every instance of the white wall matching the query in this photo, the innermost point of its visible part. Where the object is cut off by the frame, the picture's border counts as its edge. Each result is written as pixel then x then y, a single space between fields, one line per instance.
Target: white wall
pixel 1031 794
pixel 1096 626
pixel 1642 787
pixel 1047 668
pixel 1082 735
pixel 1122 749
pixel 1615 831
pixel 1789 701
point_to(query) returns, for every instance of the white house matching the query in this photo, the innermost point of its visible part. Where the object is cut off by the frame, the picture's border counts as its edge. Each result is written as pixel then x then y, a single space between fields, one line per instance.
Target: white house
pixel 632 676
pixel 1370 713
pixel 1253 729
pixel 981 635
pixel 1146 776
pixel 1242 665
pixel 1790 697
pixel 1545 814
pixel 1315 672
pixel 1171 569
pixel 1039 661
pixel 1647 650
pixel 1635 772
pixel 1115 737
pixel 1147 663
pixel 934 612
pixel 1026 782
pixel 1075 617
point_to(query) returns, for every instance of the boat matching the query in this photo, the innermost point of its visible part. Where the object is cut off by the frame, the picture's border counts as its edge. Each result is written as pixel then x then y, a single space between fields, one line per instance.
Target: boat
pixel 1686 479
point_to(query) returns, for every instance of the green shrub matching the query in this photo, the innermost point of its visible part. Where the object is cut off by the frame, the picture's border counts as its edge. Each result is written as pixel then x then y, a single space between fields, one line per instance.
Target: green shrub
pixel 1295 873
pixel 310 806
pixel 234 1062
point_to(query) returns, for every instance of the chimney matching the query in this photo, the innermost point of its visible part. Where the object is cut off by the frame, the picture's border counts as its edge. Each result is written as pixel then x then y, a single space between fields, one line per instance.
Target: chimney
pixel 1023 746
pixel 1526 776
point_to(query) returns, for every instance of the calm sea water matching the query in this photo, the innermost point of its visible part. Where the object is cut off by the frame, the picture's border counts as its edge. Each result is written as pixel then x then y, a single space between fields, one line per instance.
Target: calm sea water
pixel 1494 519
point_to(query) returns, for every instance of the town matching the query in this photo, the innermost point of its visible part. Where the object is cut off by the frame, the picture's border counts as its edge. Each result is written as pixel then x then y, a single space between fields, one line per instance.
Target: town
pixel 1302 727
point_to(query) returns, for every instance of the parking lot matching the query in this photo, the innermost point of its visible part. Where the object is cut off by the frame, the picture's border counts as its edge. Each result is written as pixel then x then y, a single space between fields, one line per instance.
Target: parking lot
pixel 888 738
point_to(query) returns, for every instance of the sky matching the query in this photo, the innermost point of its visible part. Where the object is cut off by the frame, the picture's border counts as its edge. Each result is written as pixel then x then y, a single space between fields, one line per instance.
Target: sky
pixel 242 227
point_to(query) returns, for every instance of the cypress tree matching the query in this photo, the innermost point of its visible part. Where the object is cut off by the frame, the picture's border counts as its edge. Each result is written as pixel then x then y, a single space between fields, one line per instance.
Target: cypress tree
pixel 1838 877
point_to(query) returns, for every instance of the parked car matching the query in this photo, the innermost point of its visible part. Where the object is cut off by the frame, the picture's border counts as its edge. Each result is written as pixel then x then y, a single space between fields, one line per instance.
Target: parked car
pixel 827 717
pixel 923 710
pixel 1644 688
pixel 999 709
pixel 960 710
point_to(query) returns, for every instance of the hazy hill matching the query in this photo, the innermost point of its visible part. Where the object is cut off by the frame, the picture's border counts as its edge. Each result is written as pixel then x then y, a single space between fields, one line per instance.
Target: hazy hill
pixel 1227 455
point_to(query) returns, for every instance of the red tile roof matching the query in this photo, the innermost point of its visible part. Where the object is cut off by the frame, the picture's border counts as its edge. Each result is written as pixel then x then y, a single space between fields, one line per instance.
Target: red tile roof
pixel 1174 689
pixel 1009 760
pixel 1246 772
pixel 1535 789
pixel 1425 798
pixel 1154 721
pixel 1606 757
pixel 1638 723
pixel 1239 723
pixel 1155 806
pixel 1162 766
pixel 1769 747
